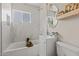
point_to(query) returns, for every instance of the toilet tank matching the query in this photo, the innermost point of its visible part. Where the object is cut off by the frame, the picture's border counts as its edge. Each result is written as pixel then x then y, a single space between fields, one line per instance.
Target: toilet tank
pixel 65 49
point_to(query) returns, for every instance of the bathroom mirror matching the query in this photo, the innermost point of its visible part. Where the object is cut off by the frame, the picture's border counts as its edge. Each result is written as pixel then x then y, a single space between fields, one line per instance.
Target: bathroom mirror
pixel 52 13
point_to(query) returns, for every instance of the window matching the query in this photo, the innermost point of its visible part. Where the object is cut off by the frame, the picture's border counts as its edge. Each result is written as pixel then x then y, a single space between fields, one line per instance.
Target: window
pixel 21 16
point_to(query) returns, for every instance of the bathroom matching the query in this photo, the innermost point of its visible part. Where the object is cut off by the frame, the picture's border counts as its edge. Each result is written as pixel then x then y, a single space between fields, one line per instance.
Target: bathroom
pixel 39 22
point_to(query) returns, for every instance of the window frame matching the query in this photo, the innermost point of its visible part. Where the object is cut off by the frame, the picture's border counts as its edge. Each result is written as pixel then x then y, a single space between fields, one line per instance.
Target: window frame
pixel 22 11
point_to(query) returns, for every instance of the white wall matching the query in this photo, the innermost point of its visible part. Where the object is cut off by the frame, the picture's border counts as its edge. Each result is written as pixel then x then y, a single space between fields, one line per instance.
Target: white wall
pixel 43 19
pixel 6 39
pixel 0 29
pixel 69 29
pixel 23 30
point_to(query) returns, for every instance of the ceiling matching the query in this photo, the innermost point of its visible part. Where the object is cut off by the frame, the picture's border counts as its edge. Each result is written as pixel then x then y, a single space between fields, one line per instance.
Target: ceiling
pixel 58 5
pixel 34 4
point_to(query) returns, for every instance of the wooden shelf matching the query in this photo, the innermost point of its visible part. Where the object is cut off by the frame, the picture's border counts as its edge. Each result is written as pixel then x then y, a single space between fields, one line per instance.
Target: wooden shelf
pixel 71 13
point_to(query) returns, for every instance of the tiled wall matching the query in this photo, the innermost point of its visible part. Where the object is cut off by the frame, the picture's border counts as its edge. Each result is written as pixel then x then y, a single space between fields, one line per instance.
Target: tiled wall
pixel 6 39
pixel 25 29
pixel 0 27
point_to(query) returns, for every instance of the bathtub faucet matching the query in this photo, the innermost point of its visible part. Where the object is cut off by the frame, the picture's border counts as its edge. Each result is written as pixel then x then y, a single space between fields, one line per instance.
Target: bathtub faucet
pixel 28 43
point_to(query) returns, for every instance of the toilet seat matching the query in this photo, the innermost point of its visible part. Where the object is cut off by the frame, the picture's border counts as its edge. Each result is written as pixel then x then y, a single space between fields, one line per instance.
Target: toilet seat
pixel 64 49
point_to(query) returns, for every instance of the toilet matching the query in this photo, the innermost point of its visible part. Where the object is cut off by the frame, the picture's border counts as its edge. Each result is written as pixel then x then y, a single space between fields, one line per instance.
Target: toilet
pixel 65 49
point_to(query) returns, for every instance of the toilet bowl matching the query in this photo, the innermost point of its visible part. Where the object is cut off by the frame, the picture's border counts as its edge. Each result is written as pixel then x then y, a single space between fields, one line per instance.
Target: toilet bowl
pixel 64 49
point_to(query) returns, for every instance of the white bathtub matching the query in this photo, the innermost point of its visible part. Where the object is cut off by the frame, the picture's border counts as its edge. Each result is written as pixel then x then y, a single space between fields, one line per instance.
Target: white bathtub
pixel 19 49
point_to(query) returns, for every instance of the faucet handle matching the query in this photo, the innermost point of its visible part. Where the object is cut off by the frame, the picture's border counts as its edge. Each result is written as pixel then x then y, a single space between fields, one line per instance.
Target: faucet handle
pixel 54 33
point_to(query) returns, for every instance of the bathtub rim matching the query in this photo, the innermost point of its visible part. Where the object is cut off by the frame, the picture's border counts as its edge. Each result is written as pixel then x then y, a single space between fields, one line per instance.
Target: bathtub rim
pixel 13 49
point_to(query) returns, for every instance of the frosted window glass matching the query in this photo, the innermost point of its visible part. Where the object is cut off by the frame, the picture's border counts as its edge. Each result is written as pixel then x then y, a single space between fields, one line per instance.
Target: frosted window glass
pixel 26 17
pixel 18 17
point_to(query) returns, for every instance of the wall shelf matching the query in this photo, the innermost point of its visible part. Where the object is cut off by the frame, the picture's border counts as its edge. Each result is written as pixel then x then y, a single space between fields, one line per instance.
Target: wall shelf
pixel 66 15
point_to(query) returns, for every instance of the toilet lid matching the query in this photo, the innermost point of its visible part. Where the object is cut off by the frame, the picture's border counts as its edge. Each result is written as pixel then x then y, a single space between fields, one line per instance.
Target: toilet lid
pixel 68 48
